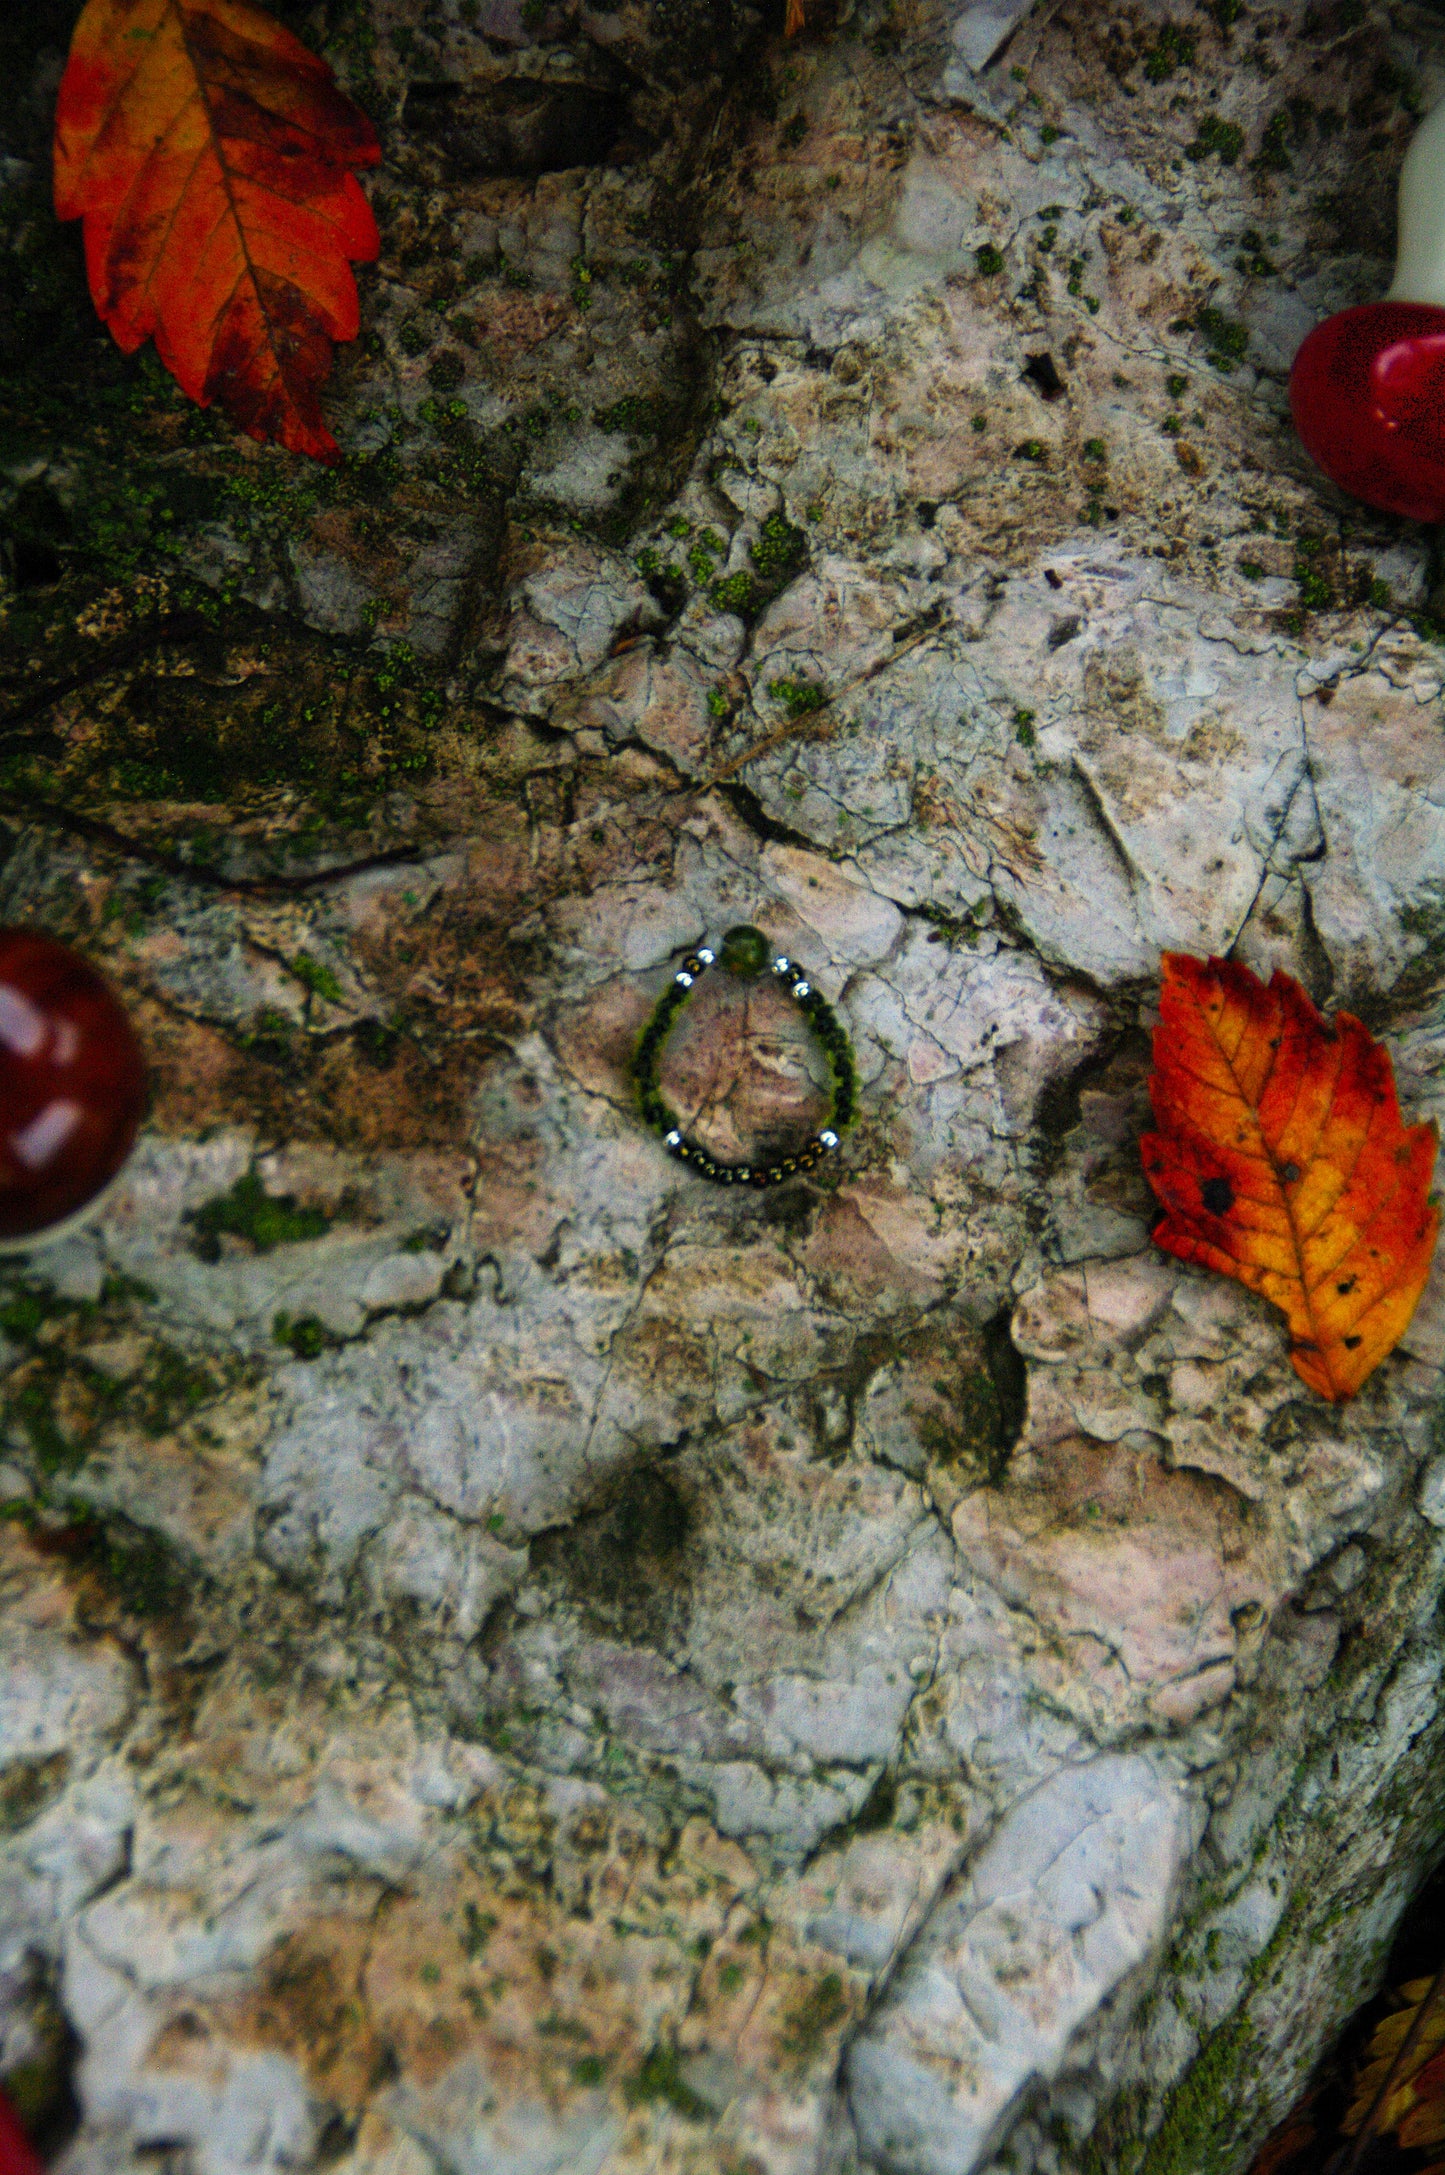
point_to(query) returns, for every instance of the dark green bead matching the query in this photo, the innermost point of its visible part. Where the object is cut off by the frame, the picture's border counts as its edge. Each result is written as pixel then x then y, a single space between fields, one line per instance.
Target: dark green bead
pixel 745 951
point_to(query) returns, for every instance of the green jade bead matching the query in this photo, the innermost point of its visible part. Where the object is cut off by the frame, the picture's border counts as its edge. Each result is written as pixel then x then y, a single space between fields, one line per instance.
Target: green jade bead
pixel 745 952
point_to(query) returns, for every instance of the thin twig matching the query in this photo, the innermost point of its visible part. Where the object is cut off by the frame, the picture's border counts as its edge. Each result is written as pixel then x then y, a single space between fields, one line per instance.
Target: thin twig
pixel 819 724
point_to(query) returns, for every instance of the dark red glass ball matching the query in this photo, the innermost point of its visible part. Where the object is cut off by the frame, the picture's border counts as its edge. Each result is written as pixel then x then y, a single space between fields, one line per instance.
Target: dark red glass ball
pixel 72 1083
pixel 1368 394
pixel 17 2155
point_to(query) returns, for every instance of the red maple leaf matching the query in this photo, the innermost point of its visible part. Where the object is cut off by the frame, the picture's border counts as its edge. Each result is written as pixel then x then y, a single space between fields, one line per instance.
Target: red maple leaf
pixel 208 153
pixel 1281 1160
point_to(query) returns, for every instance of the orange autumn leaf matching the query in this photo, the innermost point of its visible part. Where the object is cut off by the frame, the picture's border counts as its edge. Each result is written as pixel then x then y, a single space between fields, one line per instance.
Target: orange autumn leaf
pixel 1281 1160
pixel 208 152
pixel 1415 2108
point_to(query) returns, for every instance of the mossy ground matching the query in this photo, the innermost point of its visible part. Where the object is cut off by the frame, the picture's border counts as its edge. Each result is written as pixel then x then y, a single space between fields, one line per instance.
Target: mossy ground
pixel 134 692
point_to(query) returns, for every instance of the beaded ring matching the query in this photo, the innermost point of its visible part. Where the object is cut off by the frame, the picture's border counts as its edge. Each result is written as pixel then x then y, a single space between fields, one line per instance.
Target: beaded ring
pixel 745 952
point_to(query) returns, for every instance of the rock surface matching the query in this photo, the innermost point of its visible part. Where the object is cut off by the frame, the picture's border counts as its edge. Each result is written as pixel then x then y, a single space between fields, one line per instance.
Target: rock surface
pixel 516 1660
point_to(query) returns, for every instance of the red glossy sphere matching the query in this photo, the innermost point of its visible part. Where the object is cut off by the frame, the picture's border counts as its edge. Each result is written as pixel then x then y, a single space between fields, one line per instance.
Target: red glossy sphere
pixel 17 2155
pixel 72 1083
pixel 1368 394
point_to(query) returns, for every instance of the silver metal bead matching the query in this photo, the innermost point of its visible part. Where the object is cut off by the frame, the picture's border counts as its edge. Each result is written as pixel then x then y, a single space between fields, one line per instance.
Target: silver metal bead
pixel 684 981
pixel 673 1138
pixel 801 989
pixel 781 965
pixel 705 955
pixel 829 1139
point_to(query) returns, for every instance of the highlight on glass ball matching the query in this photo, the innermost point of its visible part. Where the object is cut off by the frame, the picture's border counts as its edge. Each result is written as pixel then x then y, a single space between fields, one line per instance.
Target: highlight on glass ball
pixel 72 1084
pixel 1368 385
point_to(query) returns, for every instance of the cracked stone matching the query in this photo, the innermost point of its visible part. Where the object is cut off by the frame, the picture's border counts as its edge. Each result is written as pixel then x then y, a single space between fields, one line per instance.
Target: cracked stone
pixel 533 1662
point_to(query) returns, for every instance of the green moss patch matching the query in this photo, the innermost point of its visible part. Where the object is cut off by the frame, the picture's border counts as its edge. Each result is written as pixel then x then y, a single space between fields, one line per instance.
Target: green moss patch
pixel 660 2080
pixel 1172 49
pixel 58 1403
pixel 137 1566
pixel 798 697
pixel 1225 338
pixel 1216 139
pixel 780 552
pixel 28 1786
pixel 262 1219
pixel 813 2020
